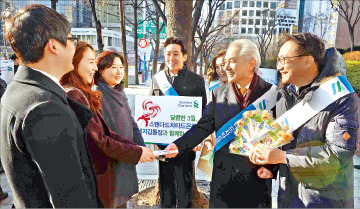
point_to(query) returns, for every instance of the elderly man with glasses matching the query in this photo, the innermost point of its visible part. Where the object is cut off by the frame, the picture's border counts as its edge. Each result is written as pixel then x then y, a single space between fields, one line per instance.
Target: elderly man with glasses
pixel 319 106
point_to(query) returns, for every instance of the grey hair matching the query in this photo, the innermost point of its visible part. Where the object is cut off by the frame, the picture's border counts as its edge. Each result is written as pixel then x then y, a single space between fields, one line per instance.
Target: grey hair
pixel 248 50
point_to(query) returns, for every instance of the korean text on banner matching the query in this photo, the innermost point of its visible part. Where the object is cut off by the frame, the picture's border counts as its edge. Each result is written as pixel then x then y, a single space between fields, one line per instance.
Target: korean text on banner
pixel 163 119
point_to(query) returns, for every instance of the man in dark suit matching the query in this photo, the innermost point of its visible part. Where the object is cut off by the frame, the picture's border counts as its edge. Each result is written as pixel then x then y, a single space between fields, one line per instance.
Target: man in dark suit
pixel 236 181
pixel 176 175
pixel 43 147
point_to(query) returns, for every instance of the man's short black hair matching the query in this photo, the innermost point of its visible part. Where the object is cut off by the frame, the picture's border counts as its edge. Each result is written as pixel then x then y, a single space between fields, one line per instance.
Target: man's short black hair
pixel 309 44
pixel 13 57
pixel 176 40
pixel 32 27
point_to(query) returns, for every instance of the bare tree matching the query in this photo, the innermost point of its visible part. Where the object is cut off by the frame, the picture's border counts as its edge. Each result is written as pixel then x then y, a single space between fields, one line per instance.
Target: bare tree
pixel 350 11
pixel 202 27
pixel 53 4
pixel 137 6
pixel 123 41
pixel 266 32
pixel 97 25
pixel 155 18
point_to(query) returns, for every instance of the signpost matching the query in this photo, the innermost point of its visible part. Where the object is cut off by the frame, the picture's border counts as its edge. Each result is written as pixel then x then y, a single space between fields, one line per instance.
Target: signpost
pixel 143 43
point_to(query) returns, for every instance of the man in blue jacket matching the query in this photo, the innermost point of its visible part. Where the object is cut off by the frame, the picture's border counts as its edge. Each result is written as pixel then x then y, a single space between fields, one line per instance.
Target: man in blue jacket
pixel 316 168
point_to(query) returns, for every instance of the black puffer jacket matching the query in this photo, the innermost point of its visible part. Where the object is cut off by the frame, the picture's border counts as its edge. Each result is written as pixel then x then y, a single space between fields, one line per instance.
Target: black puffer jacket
pixel 319 170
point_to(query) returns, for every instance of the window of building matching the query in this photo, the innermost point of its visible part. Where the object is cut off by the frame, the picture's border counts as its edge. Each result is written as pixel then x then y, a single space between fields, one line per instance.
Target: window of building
pixel 229 5
pixel 252 4
pixel 251 13
pixel 237 4
pixel 251 22
pixel 243 30
pixel 257 30
pixel 258 4
pixel 245 3
pixel 272 13
pixel 258 13
pixel 244 13
pixel 110 41
pixel 236 30
pixel 257 22
pixel 332 33
pixel 264 21
pixel 243 21
pixel 250 31
pixel 222 6
pixel 331 42
pixel 266 4
pixel 273 5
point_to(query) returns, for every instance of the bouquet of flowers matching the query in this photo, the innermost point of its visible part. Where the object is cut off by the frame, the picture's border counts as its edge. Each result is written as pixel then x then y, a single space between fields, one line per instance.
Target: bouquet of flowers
pixel 258 127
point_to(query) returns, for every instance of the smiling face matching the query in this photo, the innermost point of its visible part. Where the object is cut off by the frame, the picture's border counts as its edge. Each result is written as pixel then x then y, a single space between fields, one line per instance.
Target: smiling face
pixel 114 74
pixel 87 66
pixel 174 57
pixel 293 71
pixel 220 68
pixel 237 70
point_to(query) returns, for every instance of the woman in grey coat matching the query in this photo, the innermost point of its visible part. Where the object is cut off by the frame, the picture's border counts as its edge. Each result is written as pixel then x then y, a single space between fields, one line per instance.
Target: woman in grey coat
pixel 117 115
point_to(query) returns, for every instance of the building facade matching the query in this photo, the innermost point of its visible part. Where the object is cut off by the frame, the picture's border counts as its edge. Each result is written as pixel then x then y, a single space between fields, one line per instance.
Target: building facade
pixel 318 17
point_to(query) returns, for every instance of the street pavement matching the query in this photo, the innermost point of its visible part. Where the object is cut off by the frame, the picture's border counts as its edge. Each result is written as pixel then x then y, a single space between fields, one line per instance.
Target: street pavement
pixel 149 170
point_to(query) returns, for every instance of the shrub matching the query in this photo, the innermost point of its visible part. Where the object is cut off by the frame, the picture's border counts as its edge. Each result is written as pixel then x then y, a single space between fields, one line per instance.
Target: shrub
pixel 269 63
pixel 353 71
pixel 352 56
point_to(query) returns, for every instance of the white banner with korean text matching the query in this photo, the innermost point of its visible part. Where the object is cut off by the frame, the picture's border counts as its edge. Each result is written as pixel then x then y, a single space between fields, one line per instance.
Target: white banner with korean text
pixel 163 119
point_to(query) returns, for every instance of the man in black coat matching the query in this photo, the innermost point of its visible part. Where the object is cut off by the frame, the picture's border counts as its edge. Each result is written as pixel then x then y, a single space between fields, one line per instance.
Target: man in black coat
pixel 236 181
pixel 176 175
pixel 43 147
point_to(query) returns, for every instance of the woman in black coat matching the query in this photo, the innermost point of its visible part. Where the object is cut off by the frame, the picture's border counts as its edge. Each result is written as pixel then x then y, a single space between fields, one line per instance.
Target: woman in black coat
pixel 117 114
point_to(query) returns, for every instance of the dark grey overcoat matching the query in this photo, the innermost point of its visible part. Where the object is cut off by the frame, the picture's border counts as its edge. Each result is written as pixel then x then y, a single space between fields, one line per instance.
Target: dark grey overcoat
pixel 43 145
pixel 234 181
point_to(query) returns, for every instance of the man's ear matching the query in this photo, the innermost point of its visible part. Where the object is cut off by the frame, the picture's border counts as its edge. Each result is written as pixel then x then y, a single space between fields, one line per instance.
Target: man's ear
pixel 53 46
pixel 185 57
pixel 309 62
pixel 252 63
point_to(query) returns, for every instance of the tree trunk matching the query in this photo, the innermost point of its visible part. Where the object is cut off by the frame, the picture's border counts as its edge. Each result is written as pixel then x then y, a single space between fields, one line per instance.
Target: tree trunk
pixel 53 4
pixel 179 24
pixel 351 31
pixel 157 45
pixel 136 43
pixel 123 42
pixel 98 26
pixel 201 63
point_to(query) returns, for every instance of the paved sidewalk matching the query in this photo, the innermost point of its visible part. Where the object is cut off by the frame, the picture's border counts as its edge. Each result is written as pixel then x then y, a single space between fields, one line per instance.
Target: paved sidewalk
pixel 151 178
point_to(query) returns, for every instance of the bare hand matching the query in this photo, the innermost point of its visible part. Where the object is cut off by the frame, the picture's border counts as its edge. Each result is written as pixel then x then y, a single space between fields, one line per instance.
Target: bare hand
pixel 198 147
pixel 147 155
pixel 263 155
pixel 171 147
pixel 209 146
pixel 264 173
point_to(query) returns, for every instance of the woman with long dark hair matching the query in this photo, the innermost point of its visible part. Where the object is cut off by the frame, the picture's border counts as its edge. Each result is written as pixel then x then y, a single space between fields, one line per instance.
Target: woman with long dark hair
pixel 106 148
pixel 117 114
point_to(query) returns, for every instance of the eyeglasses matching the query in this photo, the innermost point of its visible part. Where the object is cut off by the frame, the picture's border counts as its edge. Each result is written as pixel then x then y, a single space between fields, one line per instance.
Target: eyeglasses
pixel 75 40
pixel 282 60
